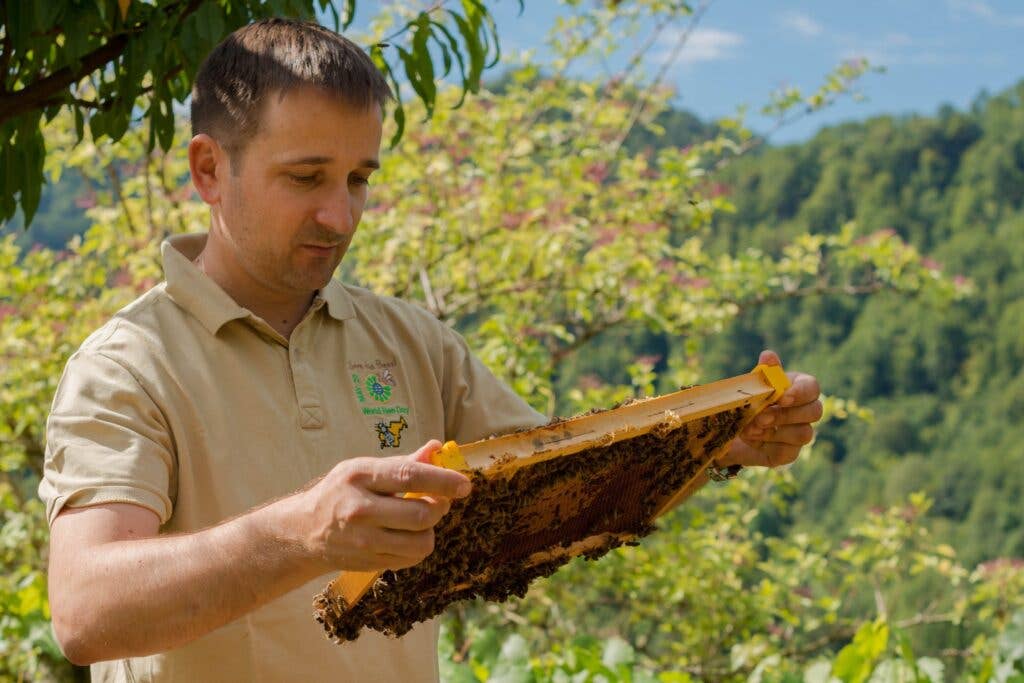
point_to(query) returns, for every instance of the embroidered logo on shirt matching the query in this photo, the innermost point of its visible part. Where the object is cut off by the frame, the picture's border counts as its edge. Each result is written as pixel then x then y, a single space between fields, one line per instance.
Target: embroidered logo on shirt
pixel 390 433
pixel 356 382
pixel 378 390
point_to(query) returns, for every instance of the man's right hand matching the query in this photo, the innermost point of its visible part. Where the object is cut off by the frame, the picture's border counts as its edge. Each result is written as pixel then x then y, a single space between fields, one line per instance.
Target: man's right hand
pixel 118 588
pixel 356 520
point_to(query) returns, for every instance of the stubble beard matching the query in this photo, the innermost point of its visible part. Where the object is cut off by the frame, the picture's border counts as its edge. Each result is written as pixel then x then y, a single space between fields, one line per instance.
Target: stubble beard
pixel 288 271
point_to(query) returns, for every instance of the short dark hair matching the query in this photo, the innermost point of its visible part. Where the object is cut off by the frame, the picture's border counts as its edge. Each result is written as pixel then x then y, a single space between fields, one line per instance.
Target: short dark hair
pixel 275 56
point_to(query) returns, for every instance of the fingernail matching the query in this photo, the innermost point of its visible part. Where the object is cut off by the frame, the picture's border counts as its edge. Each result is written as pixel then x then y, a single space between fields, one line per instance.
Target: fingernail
pixel 464 489
pixel 786 400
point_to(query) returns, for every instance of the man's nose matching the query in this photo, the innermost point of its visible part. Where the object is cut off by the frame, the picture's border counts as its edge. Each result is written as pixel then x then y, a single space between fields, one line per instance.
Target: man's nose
pixel 336 213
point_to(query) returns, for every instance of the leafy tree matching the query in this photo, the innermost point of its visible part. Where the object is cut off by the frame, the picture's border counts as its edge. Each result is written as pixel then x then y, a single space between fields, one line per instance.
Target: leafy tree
pixel 114 62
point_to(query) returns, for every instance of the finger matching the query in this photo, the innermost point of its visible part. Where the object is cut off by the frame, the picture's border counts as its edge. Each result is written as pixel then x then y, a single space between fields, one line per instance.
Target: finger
pixel 426 451
pixel 769 357
pixel 796 433
pixel 803 388
pixel 408 547
pixel 776 417
pixel 380 562
pixel 791 435
pixel 777 455
pixel 404 474
pixel 406 514
pixel 759 455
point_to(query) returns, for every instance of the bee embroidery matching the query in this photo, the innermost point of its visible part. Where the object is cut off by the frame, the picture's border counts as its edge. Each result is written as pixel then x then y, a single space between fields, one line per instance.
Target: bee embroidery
pixel 390 433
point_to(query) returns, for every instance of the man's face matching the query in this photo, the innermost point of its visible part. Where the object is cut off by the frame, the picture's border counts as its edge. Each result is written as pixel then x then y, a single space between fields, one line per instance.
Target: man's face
pixel 293 199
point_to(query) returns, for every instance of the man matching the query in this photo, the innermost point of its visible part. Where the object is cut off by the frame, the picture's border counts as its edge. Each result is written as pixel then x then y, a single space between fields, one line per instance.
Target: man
pixel 229 441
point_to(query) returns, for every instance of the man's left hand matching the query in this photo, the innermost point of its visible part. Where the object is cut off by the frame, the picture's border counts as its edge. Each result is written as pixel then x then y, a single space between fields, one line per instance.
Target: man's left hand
pixel 777 434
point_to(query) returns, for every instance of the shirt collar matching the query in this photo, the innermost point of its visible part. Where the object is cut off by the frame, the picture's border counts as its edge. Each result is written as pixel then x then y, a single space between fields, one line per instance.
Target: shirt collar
pixel 339 301
pixel 195 292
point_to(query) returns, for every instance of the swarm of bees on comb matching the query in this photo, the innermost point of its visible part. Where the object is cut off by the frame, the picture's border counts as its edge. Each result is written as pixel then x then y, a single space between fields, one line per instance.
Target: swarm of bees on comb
pixel 517 526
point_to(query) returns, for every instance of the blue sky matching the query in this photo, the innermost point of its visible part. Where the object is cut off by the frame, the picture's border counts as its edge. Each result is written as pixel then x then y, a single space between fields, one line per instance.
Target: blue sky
pixel 934 51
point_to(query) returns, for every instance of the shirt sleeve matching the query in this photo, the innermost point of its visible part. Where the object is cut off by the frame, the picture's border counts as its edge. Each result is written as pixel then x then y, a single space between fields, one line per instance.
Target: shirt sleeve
pixel 107 441
pixel 478 404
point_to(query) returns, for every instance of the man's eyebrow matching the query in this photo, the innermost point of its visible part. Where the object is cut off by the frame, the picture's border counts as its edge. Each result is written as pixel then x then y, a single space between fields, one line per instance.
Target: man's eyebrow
pixel 320 160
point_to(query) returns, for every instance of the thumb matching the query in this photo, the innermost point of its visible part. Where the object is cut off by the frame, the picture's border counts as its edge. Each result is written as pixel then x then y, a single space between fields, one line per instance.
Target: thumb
pixel 424 453
pixel 769 358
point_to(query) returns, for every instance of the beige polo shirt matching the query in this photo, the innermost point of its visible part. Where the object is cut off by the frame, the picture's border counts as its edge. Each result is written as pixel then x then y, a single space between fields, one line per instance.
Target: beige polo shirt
pixel 189 405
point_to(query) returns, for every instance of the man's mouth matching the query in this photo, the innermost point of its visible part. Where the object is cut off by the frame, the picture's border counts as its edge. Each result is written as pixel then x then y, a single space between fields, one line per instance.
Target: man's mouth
pixel 320 249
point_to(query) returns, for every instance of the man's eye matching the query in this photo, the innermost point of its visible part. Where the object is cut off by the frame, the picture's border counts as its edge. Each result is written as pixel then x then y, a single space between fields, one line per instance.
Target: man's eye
pixel 359 180
pixel 302 179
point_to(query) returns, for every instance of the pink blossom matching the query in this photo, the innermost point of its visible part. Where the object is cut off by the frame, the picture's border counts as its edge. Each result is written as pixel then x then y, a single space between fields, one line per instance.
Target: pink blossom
pixel 606 236
pixel 596 172
pixel 691 282
pixel 649 360
pixel 120 278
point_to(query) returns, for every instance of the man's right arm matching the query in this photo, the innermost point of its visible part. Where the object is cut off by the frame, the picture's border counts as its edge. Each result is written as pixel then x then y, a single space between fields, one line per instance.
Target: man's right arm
pixel 118 589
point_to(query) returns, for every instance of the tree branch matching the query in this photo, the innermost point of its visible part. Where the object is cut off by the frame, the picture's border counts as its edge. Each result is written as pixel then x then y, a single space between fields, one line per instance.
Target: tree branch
pixel 35 95
pixel 49 90
pixel 642 101
pixel 824 288
pixel 115 181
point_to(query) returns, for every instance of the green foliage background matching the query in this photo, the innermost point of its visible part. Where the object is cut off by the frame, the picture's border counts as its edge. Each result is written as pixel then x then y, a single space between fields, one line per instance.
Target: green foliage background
pixel 594 244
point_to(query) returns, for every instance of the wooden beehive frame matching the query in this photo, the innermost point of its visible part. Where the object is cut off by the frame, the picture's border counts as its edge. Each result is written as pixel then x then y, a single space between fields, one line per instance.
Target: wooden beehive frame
pixel 738 399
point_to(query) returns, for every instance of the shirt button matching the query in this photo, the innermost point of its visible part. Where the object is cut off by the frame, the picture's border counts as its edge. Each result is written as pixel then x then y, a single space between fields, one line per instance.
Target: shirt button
pixel 311 416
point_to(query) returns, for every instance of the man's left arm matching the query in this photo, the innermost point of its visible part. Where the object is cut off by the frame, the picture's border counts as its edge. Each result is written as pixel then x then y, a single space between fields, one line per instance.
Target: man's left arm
pixel 777 434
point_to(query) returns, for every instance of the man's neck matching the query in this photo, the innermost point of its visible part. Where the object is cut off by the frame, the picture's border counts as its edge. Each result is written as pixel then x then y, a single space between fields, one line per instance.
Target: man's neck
pixel 281 312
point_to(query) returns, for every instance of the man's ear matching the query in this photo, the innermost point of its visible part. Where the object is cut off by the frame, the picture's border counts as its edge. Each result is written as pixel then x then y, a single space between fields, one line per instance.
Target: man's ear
pixel 209 165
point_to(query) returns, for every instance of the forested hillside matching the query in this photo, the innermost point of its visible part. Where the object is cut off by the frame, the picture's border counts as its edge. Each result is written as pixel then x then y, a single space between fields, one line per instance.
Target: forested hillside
pixel 946 384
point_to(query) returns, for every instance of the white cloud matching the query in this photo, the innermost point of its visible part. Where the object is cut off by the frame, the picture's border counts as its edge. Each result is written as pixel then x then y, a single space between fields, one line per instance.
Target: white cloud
pixel 978 8
pixel 802 24
pixel 702 45
pixel 883 55
pixel 983 10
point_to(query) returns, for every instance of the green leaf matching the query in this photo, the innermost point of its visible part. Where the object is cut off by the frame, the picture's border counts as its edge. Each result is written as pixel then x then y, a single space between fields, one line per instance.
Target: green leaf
pixel 932 668
pixel 79 123
pixel 419 72
pixel 617 652
pixel 209 23
pixel 32 151
pixel 453 48
pixel 349 13
pixel 856 661
pixel 377 55
pixel 399 117
pixel 477 57
pixel 118 122
pixel 819 672
pixel 98 124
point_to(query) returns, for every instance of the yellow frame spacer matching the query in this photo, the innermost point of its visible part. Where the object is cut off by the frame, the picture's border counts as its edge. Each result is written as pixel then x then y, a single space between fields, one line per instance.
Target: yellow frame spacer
pixel 776 377
pixel 450 457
